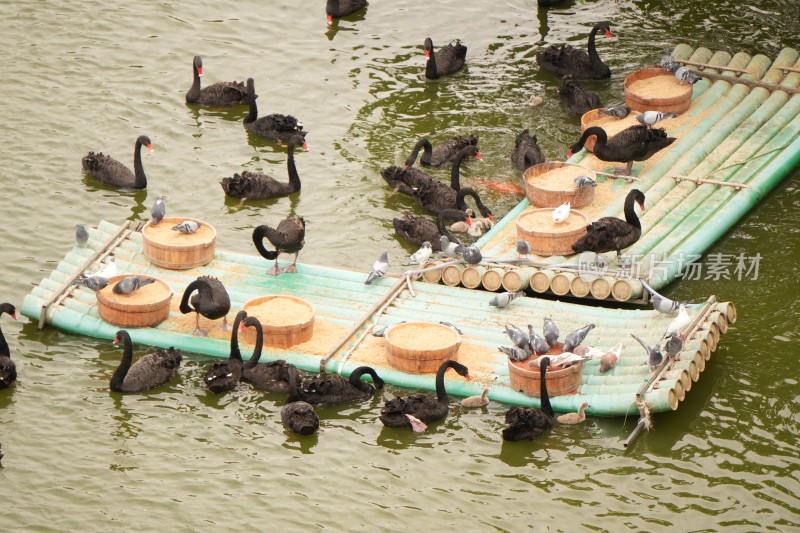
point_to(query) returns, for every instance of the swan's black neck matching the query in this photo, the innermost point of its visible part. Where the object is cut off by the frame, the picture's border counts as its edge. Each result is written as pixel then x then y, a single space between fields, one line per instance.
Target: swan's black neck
pixel 452 214
pixel 235 352
pixel 194 91
pixel 430 67
pixel 601 138
pixel 4 350
pixel 252 115
pixel 427 154
pixel 441 393
pixel 363 386
pixel 253 361
pixel 294 393
pixel 294 177
pixel 594 58
pixel 455 172
pixel 125 363
pixel 197 284
pixel 630 213
pixel 140 180
pixel 258 240
pixel 546 407
pixel 467 191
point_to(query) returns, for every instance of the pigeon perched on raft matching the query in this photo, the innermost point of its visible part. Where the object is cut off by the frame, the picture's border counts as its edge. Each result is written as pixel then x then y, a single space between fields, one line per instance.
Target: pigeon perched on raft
pixel 504 298
pixel 379 268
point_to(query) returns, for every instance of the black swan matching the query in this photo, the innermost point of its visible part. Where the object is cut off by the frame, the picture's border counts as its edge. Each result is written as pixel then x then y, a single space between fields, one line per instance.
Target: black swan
pixel 529 422
pixel 333 388
pixel 416 230
pixel 276 126
pixel 434 195
pixel 448 60
pixel 526 151
pixel 8 369
pixel 149 372
pixel 257 185
pixel 613 234
pixel 225 375
pixel 570 60
pixel 577 99
pixel 272 376
pixel 288 237
pixel 444 152
pixel 108 170
pixel 407 179
pixel 220 94
pixel 637 143
pixel 211 301
pixel 298 416
pixel 341 8
pixel 421 406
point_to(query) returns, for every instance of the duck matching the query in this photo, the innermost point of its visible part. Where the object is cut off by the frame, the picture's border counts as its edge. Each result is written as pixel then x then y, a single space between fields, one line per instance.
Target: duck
pixel 448 60
pixel 578 63
pixel 110 171
pixel 574 418
pixel 613 234
pixel 275 126
pixel 415 230
pixel 530 422
pixel 476 401
pixel 421 406
pixel 225 375
pixel 526 151
pixel 298 416
pixel 332 389
pixel 8 369
pixel 258 185
pixel 335 9
pixel 288 237
pixel 272 376
pixel 444 152
pixel 211 301
pixel 577 99
pixel 150 371
pixel 220 94
pixel 636 143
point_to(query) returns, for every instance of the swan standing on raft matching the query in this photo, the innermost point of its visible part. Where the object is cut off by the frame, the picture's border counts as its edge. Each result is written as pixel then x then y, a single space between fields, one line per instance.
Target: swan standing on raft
pixel 149 372
pixel 421 406
pixel 275 126
pixel 251 185
pixel 613 234
pixel 110 171
pixel 578 63
pixel 529 422
pixel 272 376
pixel 637 143
pixel 211 301
pixel 288 237
pixel 220 94
pixel 8 369
pixel 226 374
pixel 444 152
pixel 448 60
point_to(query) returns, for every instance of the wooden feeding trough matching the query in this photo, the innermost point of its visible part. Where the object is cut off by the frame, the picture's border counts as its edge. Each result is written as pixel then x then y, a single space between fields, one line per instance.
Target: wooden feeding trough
pixel 560 380
pixel 169 248
pixel 420 347
pixel 611 125
pixel 553 183
pixel 545 236
pixel 285 320
pixel 146 307
pixel 655 89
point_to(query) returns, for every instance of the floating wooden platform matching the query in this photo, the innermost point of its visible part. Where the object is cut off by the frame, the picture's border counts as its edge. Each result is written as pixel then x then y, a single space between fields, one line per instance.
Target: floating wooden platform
pixel 347 311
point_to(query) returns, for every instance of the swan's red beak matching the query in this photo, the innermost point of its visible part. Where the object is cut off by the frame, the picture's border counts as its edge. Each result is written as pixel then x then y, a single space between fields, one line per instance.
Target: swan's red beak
pixel 241 327
pixel 427 54
pixel 305 146
pixel 490 218
pixel 330 20
pixel 116 339
pixel 14 315
pixel 468 377
pixel 150 147
pixel 569 154
pixel 199 71
pixel 642 206
pixel 469 222
pixel 608 34
pixel 405 167
pixel 478 156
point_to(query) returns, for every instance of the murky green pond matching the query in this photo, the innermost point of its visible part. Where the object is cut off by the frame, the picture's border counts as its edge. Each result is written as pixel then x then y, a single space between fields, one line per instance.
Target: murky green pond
pixel 81 76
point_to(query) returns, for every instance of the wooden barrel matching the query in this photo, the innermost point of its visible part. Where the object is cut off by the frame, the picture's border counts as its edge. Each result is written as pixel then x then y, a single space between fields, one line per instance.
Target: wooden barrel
pixel 579 286
pixel 146 307
pixel 451 275
pixel 433 276
pixel 655 89
pixel 540 280
pixel 492 279
pixel 517 279
pixel 551 184
pixel 548 238
pixel 561 282
pixel 420 347
pixel 601 287
pixel 170 248
pixel 285 320
pixel 623 289
pixel 472 275
pixel 559 382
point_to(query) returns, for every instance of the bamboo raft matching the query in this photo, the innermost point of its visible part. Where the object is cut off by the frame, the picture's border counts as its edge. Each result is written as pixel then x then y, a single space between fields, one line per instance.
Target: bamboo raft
pixel 739 139
pixel 347 311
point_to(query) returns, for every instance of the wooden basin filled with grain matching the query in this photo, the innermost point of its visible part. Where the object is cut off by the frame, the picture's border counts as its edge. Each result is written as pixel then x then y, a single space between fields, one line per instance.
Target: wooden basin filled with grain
pixel 285 320
pixel 145 307
pixel 560 380
pixel 655 89
pixel 552 183
pixel 420 347
pixel 169 248
pixel 545 236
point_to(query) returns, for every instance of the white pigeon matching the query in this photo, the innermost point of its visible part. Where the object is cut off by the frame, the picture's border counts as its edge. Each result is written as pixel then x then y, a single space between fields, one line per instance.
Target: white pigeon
pixel 422 255
pixel 649 118
pixel 187 226
pixel 379 268
pixel 108 271
pixel 679 323
pixel 504 298
pixel 561 213
pixel 562 359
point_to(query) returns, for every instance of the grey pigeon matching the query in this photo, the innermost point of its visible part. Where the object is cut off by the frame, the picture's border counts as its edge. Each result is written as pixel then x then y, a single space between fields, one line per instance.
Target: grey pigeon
pixel 515 353
pixel 81 235
pixel 187 226
pixel 422 255
pixel 668 62
pixel 684 75
pixel 130 284
pixel 551 332
pixel 94 282
pixel 450 249
pixel 158 210
pixel 662 304
pixel 523 247
pixel 654 355
pixel 576 337
pixel 517 336
pixel 504 298
pixel 618 111
pixel 537 344
pixel 380 332
pixel 472 255
pixel 584 181
pixel 449 325
pixel 379 268
pixel 649 118
pixel 674 345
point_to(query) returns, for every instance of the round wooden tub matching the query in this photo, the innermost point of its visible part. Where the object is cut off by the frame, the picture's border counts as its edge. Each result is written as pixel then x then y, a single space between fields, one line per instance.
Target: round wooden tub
pixel 170 248
pixel 548 238
pixel 285 320
pixel 655 89
pixel 611 125
pixel 552 183
pixel 560 381
pixel 146 307
pixel 420 347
